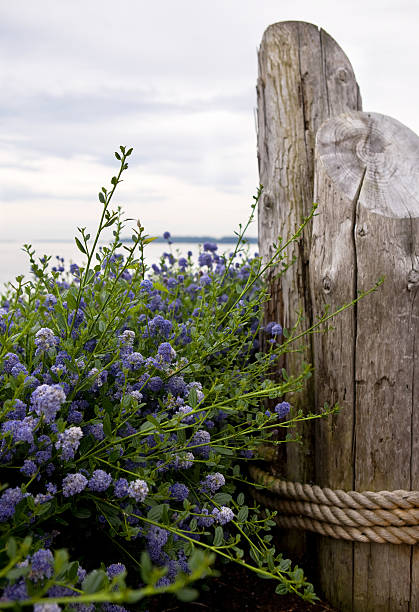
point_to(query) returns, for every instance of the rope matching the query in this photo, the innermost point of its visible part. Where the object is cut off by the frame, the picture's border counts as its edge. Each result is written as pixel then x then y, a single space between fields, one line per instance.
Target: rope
pixel 382 517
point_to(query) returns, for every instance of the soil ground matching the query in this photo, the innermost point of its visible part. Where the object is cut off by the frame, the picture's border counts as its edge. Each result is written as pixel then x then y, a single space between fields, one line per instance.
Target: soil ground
pixel 238 590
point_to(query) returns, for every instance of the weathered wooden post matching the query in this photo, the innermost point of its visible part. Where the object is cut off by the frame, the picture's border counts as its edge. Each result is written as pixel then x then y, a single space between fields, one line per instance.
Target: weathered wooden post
pixel 366 181
pixel 367 187
pixel 304 78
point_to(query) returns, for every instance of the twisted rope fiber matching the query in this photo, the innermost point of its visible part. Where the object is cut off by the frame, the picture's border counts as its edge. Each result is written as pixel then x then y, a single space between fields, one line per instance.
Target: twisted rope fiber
pixel 383 517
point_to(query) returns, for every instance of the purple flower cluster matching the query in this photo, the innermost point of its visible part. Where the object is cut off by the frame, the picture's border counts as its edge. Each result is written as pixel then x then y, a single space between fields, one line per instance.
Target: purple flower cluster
pixel 45 340
pixel 68 442
pixel 8 502
pixel 73 484
pixel 179 491
pixel 46 401
pixel 213 482
pixel 223 515
pixel 41 565
pixel 100 481
pixel 282 409
pixel 138 490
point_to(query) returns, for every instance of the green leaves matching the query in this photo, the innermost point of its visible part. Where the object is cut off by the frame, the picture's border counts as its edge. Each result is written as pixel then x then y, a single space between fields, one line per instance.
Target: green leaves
pixel 80 246
pixel 94 581
pixel 218 536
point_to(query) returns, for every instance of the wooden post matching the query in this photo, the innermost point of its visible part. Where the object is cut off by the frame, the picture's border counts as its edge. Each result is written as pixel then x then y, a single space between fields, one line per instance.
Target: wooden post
pixel 367 187
pixel 304 78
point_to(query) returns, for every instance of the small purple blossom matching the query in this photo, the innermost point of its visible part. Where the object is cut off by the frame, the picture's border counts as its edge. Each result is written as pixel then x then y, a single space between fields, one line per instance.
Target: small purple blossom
pixel 179 491
pixel 213 482
pixel 282 409
pixel 28 468
pixel 138 489
pixel 205 259
pixel 166 352
pixel 121 487
pixel 41 564
pixel 100 481
pixel 69 441
pixel 223 515
pixel 115 569
pixel 8 502
pixel 46 401
pixel 73 484
pixel 45 340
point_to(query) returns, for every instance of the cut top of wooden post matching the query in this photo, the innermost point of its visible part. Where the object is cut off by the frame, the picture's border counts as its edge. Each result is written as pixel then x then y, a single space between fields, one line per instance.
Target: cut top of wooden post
pixel 376 156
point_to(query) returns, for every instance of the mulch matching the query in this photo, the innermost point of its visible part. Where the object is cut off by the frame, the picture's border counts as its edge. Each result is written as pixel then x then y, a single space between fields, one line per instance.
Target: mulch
pixel 237 590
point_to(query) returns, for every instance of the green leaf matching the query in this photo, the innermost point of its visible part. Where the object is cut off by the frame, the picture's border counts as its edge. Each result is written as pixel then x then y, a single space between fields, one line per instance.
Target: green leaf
pixel 243 514
pixel 155 513
pixel 146 567
pixel 222 498
pixel 240 499
pixel 82 513
pixel 187 594
pixel 118 157
pixel 102 198
pixel 11 548
pixel 80 246
pixel 107 426
pixel 94 581
pixel 218 536
pixel 72 571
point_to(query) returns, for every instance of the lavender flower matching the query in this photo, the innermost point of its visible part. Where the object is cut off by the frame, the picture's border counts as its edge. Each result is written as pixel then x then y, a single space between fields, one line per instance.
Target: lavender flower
pixel 206 520
pixel 28 468
pixel 41 564
pixel 205 259
pixel 115 569
pixel 22 431
pixel 146 285
pixel 95 430
pixel 8 502
pixel 160 325
pixel 179 491
pixel 46 400
pixel 100 481
pixel 213 482
pixel 47 607
pixel 223 515
pixel 166 352
pixel 73 484
pixel 134 361
pixel 45 340
pixel 282 409
pixel 138 489
pixel 69 441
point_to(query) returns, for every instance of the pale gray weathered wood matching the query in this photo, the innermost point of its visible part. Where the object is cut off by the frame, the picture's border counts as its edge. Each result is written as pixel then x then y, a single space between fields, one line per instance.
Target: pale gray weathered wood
pixel 304 78
pixel 367 186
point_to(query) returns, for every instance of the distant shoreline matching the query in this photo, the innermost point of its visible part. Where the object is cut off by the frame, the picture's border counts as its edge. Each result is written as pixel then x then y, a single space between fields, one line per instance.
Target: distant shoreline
pixel 200 239
pixel 159 239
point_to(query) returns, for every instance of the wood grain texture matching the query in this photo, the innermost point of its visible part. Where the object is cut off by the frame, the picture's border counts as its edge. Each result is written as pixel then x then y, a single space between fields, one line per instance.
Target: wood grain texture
pixel 304 78
pixel 367 186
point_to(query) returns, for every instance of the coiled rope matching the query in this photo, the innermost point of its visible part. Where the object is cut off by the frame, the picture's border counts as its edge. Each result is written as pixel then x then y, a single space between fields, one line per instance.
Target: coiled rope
pixel 382 517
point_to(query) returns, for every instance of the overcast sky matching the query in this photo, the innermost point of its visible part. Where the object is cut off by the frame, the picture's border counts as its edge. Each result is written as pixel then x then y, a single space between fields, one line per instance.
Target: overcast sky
pixel 175 79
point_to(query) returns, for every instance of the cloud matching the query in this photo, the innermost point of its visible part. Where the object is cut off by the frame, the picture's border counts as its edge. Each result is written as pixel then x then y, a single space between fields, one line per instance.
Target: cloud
pixel 175 80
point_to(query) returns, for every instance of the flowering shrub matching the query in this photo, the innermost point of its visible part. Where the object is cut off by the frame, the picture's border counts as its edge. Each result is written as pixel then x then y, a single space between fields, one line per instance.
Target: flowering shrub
pixel 131 401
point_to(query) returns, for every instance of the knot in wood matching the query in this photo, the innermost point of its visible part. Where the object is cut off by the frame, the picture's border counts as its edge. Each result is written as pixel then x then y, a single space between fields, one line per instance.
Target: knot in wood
pixel 413 280
pixel 342 75
pixel 327 284
pixel 267 200
pixel 362 231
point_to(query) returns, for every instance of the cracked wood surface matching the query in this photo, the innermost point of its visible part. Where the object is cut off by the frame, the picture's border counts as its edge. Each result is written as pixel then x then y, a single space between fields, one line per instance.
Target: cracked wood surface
pixel 304 78
pixel 367 186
